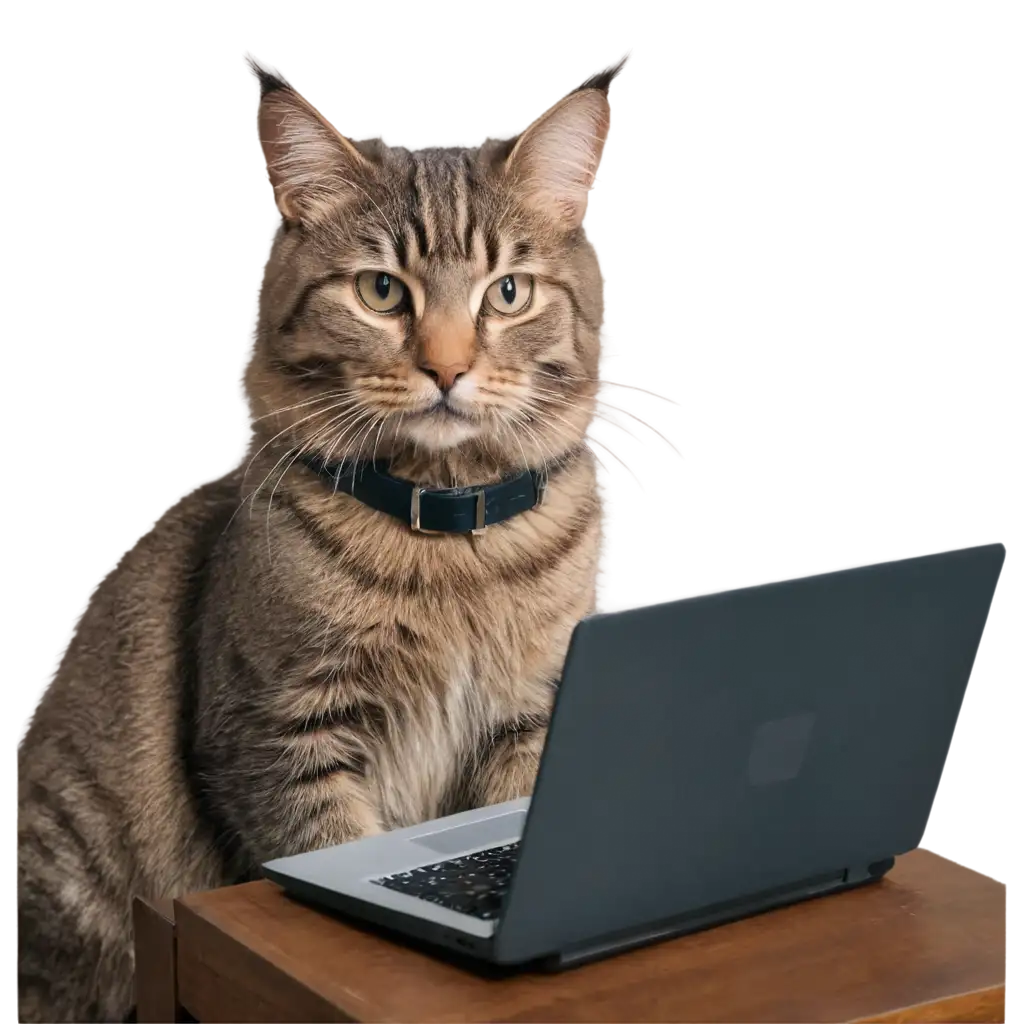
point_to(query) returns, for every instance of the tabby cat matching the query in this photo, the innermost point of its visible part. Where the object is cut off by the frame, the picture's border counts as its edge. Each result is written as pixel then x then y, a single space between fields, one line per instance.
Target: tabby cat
pixel 277 666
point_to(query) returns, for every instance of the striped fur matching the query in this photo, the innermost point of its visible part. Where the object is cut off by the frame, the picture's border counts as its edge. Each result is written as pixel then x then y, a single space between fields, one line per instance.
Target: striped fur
pixel 275 667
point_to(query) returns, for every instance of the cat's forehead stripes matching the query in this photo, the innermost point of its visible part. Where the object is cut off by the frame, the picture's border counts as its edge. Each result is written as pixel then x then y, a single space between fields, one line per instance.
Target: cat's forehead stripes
pixel 446 211
pixel 465 226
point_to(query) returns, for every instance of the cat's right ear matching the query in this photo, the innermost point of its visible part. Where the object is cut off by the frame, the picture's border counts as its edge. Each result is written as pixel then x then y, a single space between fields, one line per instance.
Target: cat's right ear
pixel 311 165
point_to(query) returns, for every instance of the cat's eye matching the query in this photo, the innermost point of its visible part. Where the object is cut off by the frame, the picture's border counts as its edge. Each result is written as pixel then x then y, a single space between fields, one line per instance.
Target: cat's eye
pixel 381 292
pixel 509 295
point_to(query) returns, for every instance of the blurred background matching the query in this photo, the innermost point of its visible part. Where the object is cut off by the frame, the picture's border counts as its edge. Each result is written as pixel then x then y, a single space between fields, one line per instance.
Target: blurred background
pixel 809 218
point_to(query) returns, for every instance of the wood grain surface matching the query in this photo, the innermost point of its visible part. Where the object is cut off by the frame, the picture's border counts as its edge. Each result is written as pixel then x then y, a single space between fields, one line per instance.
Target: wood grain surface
pixel 924 944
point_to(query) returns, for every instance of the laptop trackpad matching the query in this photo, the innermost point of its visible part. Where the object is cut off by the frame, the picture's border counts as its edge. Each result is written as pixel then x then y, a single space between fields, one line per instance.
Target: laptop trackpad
pixel 502 828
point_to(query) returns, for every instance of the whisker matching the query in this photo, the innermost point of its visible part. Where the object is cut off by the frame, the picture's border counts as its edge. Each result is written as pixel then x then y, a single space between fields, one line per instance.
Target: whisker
pixel 353 421
pixel 325 397
pixel 291 426
pixel 245 474
pixel 542 412
pixel 340 416
pixel 547 454
pixel 521 423
pixel 642 422
pixel 298 445
pixel 512 434
pixel 383 420
pixel 401 417
pixel 283 474
pixel 576 378
pixel 358 447
pixel 566 402
pixel 349 422
pixel 643 391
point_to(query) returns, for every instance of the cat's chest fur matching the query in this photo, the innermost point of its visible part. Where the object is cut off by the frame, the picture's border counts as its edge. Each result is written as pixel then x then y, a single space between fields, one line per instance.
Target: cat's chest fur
pixel 424 651
pixel 455 696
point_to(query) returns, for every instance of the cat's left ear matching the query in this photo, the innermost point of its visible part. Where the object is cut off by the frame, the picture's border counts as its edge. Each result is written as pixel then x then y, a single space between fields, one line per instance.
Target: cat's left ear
pixel 554 162
pixel 311 165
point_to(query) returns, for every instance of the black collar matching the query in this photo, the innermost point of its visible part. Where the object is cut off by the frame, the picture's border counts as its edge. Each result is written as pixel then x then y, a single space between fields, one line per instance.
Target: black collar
pixel 437 510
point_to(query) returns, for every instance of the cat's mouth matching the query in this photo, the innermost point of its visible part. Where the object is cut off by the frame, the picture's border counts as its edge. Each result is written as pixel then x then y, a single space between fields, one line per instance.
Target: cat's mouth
pixel 440 426
pixel 442 411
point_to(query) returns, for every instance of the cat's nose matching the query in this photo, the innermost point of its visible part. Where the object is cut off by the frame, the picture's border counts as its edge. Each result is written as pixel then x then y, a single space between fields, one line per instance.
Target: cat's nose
pixel 444 376
pixel 446 346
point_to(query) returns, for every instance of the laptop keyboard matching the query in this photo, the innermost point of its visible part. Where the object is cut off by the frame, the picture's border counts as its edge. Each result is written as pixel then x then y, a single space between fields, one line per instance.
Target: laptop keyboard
pixel 474 883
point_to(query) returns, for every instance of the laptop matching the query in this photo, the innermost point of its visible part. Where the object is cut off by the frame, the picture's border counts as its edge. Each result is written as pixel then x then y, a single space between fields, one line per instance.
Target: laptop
pixel 707 759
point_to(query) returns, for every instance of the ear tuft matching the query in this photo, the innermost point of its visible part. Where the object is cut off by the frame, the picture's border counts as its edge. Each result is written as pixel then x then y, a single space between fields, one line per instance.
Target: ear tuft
pixel 270 81
pixel 262 82
pixel 603 79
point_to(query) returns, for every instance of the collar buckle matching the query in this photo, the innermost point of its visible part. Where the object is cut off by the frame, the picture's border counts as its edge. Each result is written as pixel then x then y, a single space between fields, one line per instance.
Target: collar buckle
pixel 479 523
pixel 414 514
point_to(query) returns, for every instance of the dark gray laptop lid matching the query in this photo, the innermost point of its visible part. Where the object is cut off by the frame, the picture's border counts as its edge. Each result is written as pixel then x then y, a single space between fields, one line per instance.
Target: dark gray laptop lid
pixel 707 749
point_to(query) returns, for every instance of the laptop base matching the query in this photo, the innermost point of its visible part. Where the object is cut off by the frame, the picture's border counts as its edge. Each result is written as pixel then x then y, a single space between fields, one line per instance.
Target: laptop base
pixel 720 913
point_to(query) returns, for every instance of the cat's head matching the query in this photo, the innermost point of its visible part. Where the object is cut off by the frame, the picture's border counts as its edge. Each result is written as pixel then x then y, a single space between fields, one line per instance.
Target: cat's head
pixel 438 301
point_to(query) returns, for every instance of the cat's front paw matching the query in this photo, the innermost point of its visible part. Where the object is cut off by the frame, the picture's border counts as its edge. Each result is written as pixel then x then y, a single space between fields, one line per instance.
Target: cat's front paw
pixel 512 770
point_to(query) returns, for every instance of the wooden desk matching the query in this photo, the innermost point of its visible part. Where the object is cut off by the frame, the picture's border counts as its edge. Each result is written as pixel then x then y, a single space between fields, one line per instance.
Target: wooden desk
pixel 925 944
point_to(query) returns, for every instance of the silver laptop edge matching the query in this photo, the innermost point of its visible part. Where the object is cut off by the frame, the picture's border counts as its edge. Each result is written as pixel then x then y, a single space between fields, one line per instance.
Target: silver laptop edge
pixel 349 869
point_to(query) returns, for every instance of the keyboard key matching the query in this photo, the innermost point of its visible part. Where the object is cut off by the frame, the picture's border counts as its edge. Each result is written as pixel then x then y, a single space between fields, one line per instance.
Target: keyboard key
pixel 474 883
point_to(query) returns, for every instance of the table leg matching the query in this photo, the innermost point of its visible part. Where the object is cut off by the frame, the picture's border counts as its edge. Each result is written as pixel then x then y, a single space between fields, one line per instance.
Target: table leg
pixel 156 969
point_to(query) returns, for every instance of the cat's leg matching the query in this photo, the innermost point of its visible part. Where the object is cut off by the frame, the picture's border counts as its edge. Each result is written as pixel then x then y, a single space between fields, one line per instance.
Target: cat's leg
pixel 75 955
pixel 68 969
pixel 505 767
pixel 288 784
pixel 300 812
